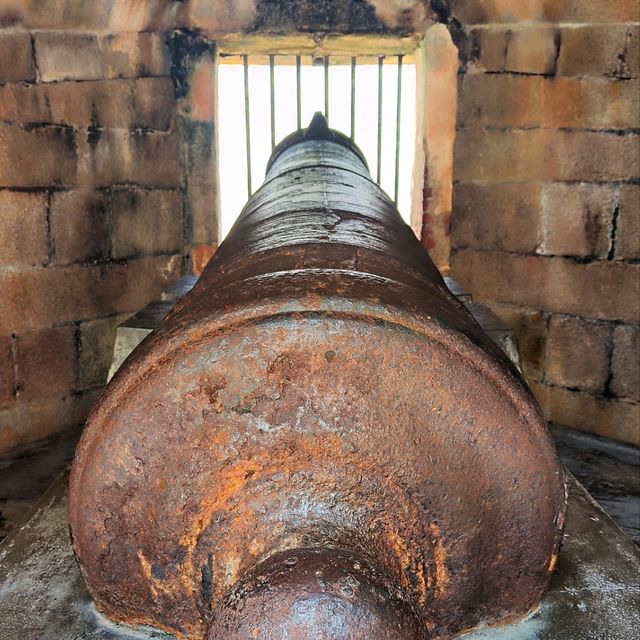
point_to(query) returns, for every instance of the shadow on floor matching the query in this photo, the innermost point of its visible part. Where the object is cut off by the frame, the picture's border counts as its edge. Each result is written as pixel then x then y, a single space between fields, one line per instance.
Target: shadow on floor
pixel 610 471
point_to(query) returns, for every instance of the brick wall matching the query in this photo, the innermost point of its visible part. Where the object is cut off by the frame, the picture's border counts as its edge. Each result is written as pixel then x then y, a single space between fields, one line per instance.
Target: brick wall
pixel 91 222
pixel 546 201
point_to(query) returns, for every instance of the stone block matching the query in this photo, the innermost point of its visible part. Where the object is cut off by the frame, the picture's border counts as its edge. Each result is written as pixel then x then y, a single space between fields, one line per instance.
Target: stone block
pixel 154 103
pixel 625 362
pixel 7 373
pixel 604 290
pixel 79 226
pixel 630 67
pixel 544 154
pixel 577 220
pixel 37 157
pixel 96 104
pixel 97 338
pixel 66 55
pixel 146 222
pixel 578 354
pixel 532 50
pixel 114 156
pixel 29 421
pixel 40 297
pixel 24 103
pixel 496 217
pixel 23 228
pixel 592 50
pixel 611 418
pixel 46 362
pixel 16 57
pixel 627 236
pixel 488 48
pixel 489 11
pixel 530 330
pixel 517 101
pixel 134 55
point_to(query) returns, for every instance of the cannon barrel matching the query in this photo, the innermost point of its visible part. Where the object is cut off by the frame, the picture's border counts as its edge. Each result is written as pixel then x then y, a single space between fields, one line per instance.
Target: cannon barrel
pixel 318 440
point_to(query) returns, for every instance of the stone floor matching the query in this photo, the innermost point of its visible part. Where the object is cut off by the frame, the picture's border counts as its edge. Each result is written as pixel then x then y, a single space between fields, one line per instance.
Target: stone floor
pixel 609 470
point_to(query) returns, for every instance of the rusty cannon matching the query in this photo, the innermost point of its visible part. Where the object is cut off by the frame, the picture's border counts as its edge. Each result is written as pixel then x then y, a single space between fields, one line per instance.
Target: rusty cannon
pixel 318 441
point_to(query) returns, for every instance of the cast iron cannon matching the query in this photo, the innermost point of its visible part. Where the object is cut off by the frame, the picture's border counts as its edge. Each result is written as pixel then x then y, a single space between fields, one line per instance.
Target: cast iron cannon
pixel 318 441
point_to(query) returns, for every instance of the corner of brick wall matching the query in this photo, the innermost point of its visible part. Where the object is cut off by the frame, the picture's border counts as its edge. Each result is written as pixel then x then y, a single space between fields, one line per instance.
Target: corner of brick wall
pixel 92 213
pixel 546 199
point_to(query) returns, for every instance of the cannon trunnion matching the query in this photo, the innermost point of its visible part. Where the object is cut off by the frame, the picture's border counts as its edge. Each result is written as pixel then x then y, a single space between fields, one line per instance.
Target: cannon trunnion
pixel 318 441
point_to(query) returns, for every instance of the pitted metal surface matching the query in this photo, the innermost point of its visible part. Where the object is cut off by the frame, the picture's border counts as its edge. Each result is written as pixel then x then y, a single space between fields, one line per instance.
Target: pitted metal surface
pixel 318 395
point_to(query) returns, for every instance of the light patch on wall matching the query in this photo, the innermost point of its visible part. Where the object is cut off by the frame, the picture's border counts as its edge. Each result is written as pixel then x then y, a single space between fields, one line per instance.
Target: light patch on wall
pixel 232 165
pixel 404 14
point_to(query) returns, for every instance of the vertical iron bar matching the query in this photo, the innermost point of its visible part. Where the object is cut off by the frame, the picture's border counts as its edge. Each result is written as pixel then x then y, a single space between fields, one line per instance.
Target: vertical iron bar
pixel 272 92
pixel 353 97
pixel 326 87
pixel 298 93
pixel 247 126
pixel 398 105
pixel 380 63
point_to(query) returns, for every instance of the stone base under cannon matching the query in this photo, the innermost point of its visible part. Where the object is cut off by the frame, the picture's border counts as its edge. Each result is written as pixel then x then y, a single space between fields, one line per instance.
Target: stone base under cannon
pixel 594 593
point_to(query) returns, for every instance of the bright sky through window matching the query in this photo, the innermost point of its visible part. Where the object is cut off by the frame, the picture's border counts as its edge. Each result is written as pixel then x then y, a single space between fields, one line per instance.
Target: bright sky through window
pixel 231 122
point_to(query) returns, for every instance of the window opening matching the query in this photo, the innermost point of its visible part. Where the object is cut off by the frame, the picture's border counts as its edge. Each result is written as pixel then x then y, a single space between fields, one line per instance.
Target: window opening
pixel 262 98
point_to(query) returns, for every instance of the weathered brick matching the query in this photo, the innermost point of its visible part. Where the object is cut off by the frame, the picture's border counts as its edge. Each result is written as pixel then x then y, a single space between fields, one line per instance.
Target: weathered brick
pixel 24 103
pixel 79 226
pixel 627 236
pixel 99 103
pixel 96 350
pixel 133 55
pixel 66 55
pixel 153 103
pixel 16 57
pixel 489 48
pixel 516 101
pixel 530 329
pixel 578 353
pixel 617 419
pixel 29 421
pixel 490 11
pixel 544 154
pixel 503 217
pixel 577 220
pixel 7 373
pixel 625 362
pixel 46 362
pixel 591 290
pixel 115 156
pixel 594 50
pixel 23 228
pixel 146 222
pixel 40 297
pixel 532 50
pixel 38 157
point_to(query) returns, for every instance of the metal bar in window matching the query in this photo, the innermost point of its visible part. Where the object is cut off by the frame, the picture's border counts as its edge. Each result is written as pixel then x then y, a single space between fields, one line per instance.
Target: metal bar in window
pixel 353 97
pixel 326 87
pixel 379 159
pixel 272 96
pixel 247 125
pixel 298 93
pixel 398 106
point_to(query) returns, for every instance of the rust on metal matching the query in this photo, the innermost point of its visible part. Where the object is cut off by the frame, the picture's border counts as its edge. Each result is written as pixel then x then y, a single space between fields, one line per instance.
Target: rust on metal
pixel 318 440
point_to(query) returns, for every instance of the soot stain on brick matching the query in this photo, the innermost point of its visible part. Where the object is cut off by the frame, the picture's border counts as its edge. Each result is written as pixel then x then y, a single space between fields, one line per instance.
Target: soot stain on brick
pixel 459 37
pixel 185 47
pixel 290 16
pixel 93 130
